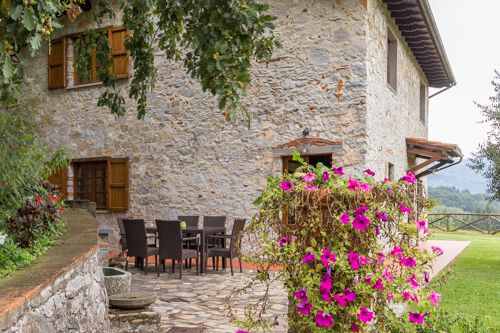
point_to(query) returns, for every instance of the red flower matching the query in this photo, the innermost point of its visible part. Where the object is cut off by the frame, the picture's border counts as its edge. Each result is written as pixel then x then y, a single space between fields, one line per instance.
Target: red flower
pixel 38 199
pixel 60 209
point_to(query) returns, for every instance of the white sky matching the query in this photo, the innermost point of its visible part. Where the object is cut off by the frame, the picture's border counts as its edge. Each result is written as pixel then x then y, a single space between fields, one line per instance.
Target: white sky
pixel 469 30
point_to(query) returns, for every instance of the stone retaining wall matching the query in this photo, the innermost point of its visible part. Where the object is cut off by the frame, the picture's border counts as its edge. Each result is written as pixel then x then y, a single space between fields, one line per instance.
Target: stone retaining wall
pixel 63 290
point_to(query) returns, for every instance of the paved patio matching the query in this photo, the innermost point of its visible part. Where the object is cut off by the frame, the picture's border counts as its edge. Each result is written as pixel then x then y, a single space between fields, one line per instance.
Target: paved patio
pixel 199 301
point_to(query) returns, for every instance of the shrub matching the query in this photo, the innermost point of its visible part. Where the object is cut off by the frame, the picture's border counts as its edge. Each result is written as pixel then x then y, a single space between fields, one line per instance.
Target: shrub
pixel 348 252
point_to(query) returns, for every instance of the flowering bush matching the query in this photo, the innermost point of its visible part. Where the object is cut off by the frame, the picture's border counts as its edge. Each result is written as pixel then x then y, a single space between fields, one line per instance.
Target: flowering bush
pixel 346 249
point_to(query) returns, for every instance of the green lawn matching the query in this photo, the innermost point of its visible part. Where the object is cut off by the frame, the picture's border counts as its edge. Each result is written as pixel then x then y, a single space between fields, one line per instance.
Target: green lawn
pixel 474 289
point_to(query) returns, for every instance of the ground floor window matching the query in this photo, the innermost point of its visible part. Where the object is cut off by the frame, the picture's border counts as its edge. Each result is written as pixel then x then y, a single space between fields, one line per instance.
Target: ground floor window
pixel 290 165
pixel 91 182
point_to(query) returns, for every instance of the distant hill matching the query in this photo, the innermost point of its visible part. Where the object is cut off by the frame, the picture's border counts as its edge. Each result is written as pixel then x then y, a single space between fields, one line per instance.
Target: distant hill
pixel 459 176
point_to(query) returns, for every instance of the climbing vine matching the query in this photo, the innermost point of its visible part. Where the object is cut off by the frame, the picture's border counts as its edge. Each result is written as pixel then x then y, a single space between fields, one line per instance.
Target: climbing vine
pixel 215 40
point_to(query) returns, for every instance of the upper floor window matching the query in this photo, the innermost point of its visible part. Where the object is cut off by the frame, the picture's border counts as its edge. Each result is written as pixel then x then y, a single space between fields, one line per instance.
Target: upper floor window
pixel 423 104
pixel 62 69
pixel 392 60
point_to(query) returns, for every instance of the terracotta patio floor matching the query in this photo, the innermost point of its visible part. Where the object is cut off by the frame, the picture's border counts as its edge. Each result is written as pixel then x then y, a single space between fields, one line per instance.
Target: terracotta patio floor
pixel 451 250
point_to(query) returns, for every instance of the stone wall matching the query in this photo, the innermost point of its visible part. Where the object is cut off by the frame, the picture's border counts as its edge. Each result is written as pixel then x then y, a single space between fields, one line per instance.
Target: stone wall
pixel 391 115
pixel 63 290
pixel 184 158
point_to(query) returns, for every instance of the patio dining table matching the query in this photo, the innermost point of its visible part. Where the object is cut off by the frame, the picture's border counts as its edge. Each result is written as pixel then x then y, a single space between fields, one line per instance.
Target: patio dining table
pixel 203 232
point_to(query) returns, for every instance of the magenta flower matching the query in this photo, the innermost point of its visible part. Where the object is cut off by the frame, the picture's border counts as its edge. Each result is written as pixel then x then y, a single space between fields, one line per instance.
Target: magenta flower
pixel 361 222
pixel 368 278
pixel 326 297
pixel 406 295
pixel 309 187
pixel 381 216
pixel 426 276
pixel 437 250
pixel 339 171
pixel 326 284
pixel 364 315
pixel 416 317
pixel 410 177
pixel 326 176
pixel 413 281
pixel 369 172
pixel 387 274
pixel 283 241
pixel 349 295
pixel 304 307
pixel 434 298
pixel 364 261
pixel 309 257
pixel 408 262
pixel 309 177
pixel 377 230
pixel 389 297
pixel 414 298
pixel 365 187
pixel 386 180
pixel 340 300
pixel 404 209
pixel 324 319
pixel 360 210
pixel 345 218
pixel 286 185
pixel 422 225
pixel 380 258
pixel 328 257
pixel 397 252
pixel 302 295
pixel 354 328
pixel 353 184
pixel 378 285
pixel 241 331
pixel 353 260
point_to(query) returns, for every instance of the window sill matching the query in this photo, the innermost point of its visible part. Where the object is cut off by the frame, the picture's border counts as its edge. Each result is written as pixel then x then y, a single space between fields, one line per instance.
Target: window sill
pixel 102 211
pixel 391 88
pixel 95 84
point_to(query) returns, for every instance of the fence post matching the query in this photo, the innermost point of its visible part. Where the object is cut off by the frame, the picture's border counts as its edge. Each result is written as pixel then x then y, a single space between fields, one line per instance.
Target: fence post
pixel 448 223
pixel 490 229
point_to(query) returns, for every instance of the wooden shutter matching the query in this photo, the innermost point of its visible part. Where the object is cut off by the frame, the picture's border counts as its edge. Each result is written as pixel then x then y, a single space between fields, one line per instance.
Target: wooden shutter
pixel 57 64
pixel 121 63
pixel 60 180
pixel 118 184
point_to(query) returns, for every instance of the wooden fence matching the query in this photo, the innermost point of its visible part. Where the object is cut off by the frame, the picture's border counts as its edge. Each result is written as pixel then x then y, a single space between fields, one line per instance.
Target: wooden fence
pixel 484 223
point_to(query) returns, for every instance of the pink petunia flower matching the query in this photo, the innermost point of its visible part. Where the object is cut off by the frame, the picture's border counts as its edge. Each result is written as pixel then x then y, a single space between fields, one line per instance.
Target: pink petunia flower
pixel 361 222
pixel 309 187
pixel 408 262
pixel 339 171
pixel 378 285
pixel 410 177
pixel 365 315
pixel 304 307
pixel 283 241
pixel 345 218
pixel 340 300
pixel 386 180
pixel 349 295
pixel 309 177
pixel 328 257
pixel 326 176
pixel 422 225
pixel 387 274
pixel 404 209
pixel 369 172
pixel 389 297
pixel 397 252
pixel 323 319
pixel 302 295
pixel 309 257
pixel 381 216
pixel 286 185
pixel 241 331
pixel 368 278
pixel 416 317
pixel 326 284
pixel 354 328
pixel 360 210
pixel 437 250
pixel 364 261
pixel 413 281
pixel 353 184
pixel 326 297
pixel 357 260
pixel 365 187
pixel 380 258
pixel 434 298
pixel 414 298
pixel 406 295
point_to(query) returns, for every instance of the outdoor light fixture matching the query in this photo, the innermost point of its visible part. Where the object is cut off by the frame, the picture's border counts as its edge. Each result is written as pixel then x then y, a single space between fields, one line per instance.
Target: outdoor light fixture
pixel 305 131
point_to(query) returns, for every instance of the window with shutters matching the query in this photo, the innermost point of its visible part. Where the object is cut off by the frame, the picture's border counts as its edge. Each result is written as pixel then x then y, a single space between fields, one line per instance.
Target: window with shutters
pixel 102 180
pixel 392 61
pixel 62 71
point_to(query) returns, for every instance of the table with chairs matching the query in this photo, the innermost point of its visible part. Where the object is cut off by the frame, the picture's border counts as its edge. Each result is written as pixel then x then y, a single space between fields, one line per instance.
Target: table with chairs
pixel 181 241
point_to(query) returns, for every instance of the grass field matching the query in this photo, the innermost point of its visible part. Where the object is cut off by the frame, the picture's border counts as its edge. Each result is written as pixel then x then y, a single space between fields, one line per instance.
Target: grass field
pixel 474 288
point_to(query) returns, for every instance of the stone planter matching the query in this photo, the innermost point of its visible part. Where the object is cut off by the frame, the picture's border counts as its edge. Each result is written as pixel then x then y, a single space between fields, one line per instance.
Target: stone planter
pixel 116 280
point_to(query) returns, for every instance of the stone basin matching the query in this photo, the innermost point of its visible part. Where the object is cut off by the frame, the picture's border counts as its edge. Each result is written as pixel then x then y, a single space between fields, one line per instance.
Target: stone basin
pixel 133 300
pixel 117 281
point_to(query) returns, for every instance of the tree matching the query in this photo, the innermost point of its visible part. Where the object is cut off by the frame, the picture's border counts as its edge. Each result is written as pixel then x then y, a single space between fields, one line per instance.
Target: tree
pixel 487 158
pixel 216 40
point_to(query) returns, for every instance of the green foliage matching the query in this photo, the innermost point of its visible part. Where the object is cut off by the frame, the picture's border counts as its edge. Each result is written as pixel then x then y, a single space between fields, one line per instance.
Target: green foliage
pixel 313 201
pixel 25 162
pixel 487 159
pixel 450 199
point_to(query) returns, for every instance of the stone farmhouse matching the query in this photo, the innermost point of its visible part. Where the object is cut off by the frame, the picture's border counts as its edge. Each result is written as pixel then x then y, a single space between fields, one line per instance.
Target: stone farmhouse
pixel 183 158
